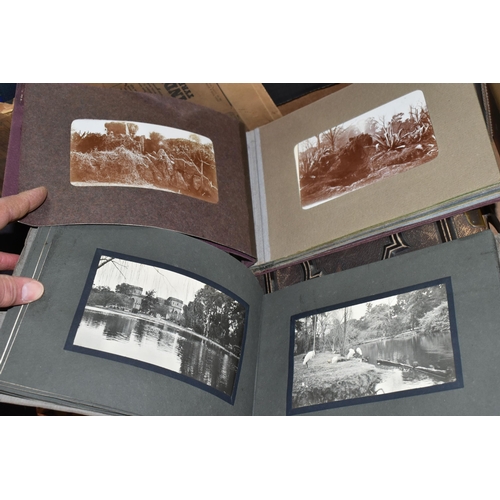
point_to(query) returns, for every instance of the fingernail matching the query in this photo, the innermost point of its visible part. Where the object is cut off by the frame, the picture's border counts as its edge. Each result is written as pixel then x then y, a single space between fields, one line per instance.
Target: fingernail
pixel 31 291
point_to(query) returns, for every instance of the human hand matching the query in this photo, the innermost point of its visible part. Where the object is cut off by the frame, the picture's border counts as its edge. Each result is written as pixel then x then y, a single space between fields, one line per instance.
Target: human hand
pixel 15 290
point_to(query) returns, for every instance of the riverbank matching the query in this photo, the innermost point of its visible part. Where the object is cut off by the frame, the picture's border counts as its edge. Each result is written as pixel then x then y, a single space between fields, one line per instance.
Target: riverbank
pixel 325 382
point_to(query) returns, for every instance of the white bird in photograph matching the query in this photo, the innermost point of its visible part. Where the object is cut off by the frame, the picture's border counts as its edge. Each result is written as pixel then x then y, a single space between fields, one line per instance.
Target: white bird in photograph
pixel 310 355
pixel 350 354
pixel 358 350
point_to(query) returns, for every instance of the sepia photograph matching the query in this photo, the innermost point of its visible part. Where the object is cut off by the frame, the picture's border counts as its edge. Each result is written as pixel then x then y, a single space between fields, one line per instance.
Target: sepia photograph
pixel 152 316
pixel 396 344
pixel 386 141
pixel 142 155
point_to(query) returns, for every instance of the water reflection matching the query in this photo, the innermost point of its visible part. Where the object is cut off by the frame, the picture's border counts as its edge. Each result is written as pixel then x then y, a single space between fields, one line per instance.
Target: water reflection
pixel 394 380
pixel 433 351
pixel 160 344
pixel 426 350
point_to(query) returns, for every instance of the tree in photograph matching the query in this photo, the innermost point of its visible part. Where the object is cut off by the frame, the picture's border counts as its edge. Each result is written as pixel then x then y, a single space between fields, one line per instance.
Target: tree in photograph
pixel 149 302
pixel 100 296
pixel 314 320
pixel 307 334
pixel 331 136
pixel 235 320
pixel 123 301
pixel 332 337
pixel 411 307
pixel 125 288
pixel 415 308
pixel 436 295
pixel 188 316
pixel 406 309
pixel 195 138
pixel 132 129
pixel 86 142
pixel 216 316
pixel 103 296
pixel 300 336
pixel 341 330
pixel 203 305
pixel 154 143
pixel 160 310
pixel 419 125
pixel 379 319
pixel 321 328
pixel 436 320
pixel 307 158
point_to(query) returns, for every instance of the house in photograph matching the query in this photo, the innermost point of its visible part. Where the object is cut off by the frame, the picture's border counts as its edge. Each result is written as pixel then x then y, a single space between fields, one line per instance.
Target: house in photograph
pixel 174 309
pixel 136 294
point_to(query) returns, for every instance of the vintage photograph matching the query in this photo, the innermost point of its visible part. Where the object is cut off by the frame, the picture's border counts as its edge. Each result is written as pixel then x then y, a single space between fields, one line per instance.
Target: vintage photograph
pixel 158 317
pixel 142 155
pixel 388 140
pixel 394 344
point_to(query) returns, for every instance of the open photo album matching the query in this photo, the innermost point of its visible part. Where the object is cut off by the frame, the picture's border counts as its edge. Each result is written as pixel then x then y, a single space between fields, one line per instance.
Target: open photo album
pixel 179 327
pixel 366 161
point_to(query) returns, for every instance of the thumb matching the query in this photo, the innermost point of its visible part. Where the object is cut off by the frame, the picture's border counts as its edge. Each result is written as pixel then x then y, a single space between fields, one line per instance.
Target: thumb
pixel 16 290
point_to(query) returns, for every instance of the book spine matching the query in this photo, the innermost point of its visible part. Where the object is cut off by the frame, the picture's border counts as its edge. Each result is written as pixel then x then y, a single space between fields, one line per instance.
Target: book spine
pixel 11 175
pixel 259 203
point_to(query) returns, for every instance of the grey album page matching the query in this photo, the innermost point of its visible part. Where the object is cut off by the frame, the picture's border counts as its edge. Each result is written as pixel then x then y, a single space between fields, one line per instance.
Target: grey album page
pixel 418 334
pixel 134 321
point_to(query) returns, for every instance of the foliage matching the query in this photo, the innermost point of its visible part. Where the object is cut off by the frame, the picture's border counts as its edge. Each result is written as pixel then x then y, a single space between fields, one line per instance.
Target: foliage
pixel 334 161
pixel 328 331
pixel 149 302
pixel 154 143
pixel 301 337
pixel 177 165
pixel 103 296
pixel 436 320
pixel 88 142
pixel 159 310
pixel 125 288
pixel 132 128
pixel 390 135
pixel 424 311
pixel 216 316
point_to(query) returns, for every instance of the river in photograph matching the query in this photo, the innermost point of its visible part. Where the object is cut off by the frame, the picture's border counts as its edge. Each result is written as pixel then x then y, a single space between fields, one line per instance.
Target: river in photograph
pixel 158 343
pixel 429 351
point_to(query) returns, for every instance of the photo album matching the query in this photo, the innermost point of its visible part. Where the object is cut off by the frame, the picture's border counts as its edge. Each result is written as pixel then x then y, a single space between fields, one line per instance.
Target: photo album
pixel 143 321
pixel 365 161
pixel 161 213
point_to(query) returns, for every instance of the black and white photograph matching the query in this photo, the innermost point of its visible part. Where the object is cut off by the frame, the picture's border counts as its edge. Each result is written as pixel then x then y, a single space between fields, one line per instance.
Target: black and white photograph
pixel 142 155
pixel 386 141
pixel 403 343
pixel 158 318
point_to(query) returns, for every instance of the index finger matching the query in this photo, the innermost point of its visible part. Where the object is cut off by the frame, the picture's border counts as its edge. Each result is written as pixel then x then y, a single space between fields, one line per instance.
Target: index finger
pixel 15 207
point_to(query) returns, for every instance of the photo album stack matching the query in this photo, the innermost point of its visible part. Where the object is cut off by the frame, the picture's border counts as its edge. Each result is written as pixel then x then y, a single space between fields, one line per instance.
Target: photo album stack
pixel 162 213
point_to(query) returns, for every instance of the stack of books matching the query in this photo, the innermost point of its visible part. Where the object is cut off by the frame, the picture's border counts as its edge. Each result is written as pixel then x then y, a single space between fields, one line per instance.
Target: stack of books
pixel 163 217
